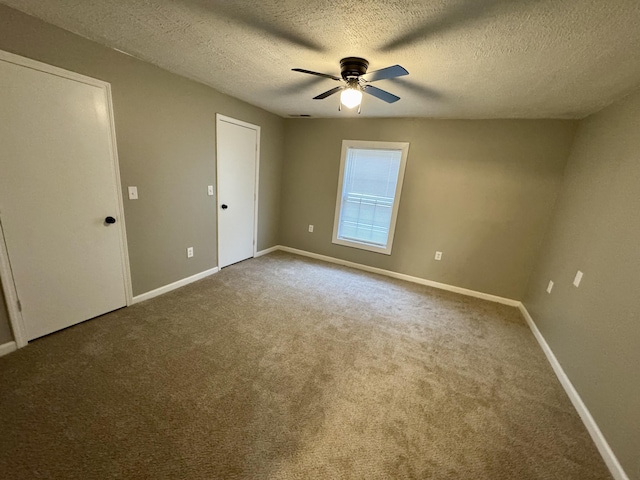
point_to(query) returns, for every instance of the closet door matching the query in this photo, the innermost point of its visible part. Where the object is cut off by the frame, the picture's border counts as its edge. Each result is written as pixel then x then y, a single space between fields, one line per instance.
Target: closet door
pixel 237 164
pixel 59 196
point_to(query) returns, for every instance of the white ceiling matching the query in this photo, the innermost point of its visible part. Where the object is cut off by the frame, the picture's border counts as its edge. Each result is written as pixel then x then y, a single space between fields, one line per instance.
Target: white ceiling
pixel 466 58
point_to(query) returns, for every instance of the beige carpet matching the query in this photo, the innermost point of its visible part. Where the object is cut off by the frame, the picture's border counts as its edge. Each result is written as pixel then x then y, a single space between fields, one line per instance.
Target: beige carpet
pixel 287 368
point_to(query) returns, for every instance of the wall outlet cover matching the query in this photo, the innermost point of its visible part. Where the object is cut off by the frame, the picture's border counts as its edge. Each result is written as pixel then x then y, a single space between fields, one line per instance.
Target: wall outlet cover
pixel 310 228
pixel 438 256
pixel 189 252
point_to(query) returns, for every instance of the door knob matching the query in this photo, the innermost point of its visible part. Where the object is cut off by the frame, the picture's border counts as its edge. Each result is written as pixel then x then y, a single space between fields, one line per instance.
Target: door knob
pixel 109 220
pixel 224 207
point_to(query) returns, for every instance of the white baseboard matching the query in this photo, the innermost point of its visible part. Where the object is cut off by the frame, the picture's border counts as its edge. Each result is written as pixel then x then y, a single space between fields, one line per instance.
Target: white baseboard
pixel 7 348
pixel 401 276
pixel 598 438
pixel 172 286
pixel 266 251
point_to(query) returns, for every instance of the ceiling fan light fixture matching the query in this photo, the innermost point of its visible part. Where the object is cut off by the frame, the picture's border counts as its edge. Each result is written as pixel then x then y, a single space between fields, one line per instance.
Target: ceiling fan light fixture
pixel 351 97
pixel 355 80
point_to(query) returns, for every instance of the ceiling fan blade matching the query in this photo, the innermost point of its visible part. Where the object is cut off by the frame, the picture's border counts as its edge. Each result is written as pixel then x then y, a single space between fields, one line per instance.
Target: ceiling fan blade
pixel 326 75
pixel 328 93
pixel 381 94
pixel 384 73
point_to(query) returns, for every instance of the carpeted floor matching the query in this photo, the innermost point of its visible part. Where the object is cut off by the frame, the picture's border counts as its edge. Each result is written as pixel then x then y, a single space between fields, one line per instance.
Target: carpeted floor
pixel 282 367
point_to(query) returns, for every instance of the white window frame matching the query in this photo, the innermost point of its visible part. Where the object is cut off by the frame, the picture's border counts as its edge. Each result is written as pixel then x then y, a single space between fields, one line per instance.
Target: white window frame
pixel 370 145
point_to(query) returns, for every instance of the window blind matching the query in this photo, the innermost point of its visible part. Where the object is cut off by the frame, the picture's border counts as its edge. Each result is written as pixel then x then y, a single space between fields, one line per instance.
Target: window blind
pixel 368 194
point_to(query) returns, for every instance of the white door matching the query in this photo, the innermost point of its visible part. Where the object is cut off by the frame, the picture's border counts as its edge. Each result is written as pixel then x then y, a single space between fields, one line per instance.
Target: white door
pixel 58 185
pixel 237 147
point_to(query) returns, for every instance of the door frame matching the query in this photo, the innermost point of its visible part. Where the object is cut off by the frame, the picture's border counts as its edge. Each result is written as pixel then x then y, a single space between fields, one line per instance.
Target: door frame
pixel 6 275
pixel 11 294
pixel 257 128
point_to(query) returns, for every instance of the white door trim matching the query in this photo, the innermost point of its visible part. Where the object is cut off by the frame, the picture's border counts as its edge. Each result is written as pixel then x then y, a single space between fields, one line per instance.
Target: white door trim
pixel 8 285
pixel 124 249
pixel 11 294
pixel 224 118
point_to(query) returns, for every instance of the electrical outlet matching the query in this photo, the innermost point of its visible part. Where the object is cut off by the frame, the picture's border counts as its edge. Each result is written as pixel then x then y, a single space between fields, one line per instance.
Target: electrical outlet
pixel 133 193
pixel 550 286
pixel 310 228
pixel 209 190
pixel 189 252
pixel 578 279
pixel 438 256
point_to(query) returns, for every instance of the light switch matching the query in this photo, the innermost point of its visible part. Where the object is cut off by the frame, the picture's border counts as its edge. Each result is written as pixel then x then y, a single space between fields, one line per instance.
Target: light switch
pixel 209 190
pixel 578 279
pixel 133 193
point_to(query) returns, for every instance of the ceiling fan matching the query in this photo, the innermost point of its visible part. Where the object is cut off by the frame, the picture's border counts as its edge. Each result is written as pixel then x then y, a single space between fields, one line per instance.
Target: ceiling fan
pixel 356 80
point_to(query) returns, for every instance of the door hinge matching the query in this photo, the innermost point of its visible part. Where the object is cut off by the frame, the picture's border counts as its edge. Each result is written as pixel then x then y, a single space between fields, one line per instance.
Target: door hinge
pixel 19 306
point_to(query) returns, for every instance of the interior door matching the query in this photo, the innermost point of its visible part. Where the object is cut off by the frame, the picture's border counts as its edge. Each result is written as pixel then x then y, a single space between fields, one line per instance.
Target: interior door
pixel 237 147
pixel 57 188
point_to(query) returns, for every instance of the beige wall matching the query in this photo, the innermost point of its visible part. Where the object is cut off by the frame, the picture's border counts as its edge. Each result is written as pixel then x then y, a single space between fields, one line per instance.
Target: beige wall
pixel 479 191
pixel 594 330
pixel 165 127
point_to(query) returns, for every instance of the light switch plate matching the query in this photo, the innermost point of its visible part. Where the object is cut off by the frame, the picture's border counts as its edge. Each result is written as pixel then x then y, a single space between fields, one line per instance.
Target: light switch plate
pixel 310 228
pixel 133 193
pixel 209 190
pixel 578 279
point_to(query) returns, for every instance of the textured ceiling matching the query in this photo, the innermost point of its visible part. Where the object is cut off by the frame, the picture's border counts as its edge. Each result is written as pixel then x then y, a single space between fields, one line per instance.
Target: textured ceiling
pixel 466 58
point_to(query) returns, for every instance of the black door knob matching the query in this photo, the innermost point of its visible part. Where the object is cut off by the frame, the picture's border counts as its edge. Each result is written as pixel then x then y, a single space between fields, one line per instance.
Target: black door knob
pixel 224 207
pixel 109 220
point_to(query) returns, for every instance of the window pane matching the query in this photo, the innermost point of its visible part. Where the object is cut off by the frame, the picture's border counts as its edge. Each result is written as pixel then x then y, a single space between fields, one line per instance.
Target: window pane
pixel 370 180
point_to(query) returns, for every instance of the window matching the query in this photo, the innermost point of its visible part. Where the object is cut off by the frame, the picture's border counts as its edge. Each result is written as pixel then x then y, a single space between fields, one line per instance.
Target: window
pixel 369 189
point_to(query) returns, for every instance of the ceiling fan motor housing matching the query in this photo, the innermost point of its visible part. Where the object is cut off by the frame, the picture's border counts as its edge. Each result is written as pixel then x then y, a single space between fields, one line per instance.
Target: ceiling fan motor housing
pixel 353 67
